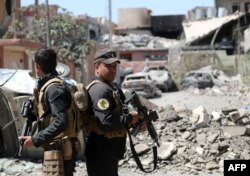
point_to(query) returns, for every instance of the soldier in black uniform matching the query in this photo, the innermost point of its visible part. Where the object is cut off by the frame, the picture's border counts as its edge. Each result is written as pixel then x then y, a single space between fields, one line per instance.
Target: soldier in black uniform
pixel 55 102
pixel 106 141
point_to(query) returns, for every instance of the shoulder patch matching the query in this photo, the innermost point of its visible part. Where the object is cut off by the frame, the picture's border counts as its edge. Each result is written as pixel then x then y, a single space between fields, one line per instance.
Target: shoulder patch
pixel 103 104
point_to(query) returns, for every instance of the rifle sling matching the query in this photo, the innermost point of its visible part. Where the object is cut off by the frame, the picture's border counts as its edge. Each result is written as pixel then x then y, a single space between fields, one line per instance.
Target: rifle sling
pixel 136 157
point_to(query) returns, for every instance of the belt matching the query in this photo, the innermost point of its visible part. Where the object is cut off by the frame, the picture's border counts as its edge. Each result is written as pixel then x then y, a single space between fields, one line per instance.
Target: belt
pixel 58 144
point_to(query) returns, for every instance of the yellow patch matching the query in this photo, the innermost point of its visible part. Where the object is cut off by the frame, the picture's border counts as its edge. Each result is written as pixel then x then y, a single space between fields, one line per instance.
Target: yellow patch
pixel 103 104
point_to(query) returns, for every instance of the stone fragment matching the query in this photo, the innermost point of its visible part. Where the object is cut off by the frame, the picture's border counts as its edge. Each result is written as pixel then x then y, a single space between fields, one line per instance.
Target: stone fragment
pixel 203 117
pixel 216 115
pixel 234 130
pixel 166 150
pixel 234 116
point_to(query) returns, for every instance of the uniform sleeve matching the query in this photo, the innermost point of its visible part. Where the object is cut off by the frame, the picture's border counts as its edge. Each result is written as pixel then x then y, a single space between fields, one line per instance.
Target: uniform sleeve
pixel 103 105
pixel 57 100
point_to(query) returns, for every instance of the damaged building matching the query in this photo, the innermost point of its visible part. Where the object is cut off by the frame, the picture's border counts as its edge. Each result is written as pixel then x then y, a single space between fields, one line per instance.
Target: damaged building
pixel 221 33
pixel 225 25
pixel 232 6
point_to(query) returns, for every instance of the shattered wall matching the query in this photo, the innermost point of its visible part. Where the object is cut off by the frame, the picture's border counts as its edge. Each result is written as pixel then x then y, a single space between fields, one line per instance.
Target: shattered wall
pixel 194 60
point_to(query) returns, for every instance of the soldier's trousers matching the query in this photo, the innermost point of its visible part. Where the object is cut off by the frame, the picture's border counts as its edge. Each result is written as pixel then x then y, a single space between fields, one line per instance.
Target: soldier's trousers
pixel 99 167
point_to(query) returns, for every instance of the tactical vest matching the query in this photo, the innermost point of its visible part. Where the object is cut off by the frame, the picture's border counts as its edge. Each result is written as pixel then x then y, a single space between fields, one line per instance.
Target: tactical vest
pixel 46 120
pixel 93 126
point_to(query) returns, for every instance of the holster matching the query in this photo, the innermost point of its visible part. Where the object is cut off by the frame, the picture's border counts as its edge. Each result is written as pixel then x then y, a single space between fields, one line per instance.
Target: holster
pixel 64 145
pixel 67 148
pixel 76 145
pixel 53 163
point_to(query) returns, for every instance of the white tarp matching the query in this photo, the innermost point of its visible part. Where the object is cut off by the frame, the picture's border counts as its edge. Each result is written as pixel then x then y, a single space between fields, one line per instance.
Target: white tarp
pixel 21 81
pixel 196 29
pixel 18 81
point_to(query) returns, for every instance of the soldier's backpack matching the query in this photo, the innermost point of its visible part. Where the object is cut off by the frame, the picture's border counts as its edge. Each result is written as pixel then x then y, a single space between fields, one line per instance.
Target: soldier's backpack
pixel 79 102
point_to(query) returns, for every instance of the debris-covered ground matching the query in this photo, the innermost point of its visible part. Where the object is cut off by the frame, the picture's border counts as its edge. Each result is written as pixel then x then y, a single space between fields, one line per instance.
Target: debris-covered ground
pixel 198 130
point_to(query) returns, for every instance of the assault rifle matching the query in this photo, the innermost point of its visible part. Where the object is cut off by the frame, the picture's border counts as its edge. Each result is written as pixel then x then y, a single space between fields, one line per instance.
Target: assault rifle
pixel 27 113
pixel 148 117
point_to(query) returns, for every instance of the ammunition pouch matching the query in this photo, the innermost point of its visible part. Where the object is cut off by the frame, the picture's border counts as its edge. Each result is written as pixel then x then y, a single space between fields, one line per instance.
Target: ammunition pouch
pixel 53 163
pixel 64 145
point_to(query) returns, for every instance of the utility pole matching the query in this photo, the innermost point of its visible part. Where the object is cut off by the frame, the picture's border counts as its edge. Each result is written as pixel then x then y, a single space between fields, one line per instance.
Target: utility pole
pixel 110 24
pixel 14 17
pixel 36 7
pixel 47 25
pixel 238 46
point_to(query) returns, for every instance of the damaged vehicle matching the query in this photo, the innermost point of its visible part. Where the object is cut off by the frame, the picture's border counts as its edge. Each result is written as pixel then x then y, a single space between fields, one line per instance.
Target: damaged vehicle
pixel 197 79
pixel 141 83
pixel 162 77
pixel 150 68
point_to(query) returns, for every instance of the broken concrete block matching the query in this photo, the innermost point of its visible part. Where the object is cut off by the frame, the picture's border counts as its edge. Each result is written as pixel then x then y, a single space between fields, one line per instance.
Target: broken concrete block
pixel 243 112
pixel 212 138
pixel 202 115
pixel 216 115
pixel 224 122
pixel 181 150
pixel 142 148
pixel 211 165
pixel 186 135
pixel 201 138
pixel 199 150
pixel 166 150
pixel 245 120
pixel 248 130
pixel 226 111
pixel 234 130
pixel 234 116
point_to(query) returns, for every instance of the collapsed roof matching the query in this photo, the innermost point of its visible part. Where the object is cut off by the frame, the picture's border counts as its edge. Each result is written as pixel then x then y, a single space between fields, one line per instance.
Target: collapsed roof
pixel 195 30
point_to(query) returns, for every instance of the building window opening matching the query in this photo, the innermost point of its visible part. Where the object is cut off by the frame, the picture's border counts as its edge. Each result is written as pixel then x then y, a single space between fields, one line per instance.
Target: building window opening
pixel 235 7
pixel 247 7
pixel 127 57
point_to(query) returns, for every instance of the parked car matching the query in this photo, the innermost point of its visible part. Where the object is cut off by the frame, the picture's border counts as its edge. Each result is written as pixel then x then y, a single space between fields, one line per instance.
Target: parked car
pixel 141 83
pixel 197 79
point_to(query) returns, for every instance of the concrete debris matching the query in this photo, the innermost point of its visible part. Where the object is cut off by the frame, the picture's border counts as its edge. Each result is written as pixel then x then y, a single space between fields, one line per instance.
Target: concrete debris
pixel 166 150
pixel 200 117
pixel 202 148
pixel 191 140
pixel 135 41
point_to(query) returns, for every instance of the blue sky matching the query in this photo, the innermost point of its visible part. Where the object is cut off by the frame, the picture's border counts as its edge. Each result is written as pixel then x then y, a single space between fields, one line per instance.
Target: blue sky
pixel 98 8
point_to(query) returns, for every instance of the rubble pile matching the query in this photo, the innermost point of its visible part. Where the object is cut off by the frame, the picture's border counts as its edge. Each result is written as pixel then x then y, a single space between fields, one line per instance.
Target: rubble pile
pixel 133 41
pixel 193 140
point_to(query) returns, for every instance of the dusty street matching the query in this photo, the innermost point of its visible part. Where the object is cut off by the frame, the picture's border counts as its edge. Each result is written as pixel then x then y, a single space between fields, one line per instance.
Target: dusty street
pixel 189 99
pixel 193 98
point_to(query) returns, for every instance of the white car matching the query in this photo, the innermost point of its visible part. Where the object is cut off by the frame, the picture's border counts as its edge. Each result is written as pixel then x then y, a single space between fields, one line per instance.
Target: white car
pixel 163 79
pixel 141 83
